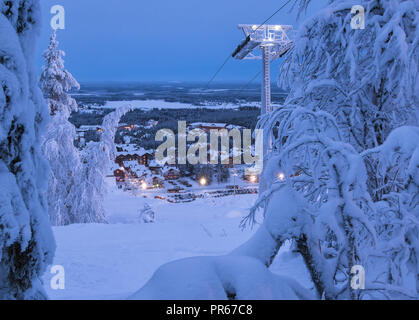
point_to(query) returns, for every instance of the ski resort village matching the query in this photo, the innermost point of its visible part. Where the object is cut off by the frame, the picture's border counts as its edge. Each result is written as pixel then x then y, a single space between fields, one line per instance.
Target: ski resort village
pixel 209 150
pixel 135 169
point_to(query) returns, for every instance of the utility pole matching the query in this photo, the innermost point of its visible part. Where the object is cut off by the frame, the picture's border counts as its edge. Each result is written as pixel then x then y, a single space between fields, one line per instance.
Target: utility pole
pixel 274 41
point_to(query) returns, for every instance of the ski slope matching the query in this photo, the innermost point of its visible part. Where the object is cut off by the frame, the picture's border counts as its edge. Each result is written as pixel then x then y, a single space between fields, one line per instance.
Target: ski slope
pixel 112 261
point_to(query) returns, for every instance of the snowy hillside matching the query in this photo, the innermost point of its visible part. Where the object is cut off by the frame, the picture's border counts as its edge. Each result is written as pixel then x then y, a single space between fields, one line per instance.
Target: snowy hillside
pixel 111 261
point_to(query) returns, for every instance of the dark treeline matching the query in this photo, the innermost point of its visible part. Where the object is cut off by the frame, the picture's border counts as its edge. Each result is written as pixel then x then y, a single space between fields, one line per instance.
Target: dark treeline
pixel 246 117
pixel 190 93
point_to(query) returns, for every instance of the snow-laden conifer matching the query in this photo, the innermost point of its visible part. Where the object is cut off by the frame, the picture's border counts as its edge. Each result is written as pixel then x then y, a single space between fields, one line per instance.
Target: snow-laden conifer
pixel 96 161
pixel 366 78
pixel 56 81
pixel 58 146
pixel 26 242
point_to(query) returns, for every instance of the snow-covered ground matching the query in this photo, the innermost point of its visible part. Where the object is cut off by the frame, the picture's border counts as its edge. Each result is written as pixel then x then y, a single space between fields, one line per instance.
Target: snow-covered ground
pixel 112 261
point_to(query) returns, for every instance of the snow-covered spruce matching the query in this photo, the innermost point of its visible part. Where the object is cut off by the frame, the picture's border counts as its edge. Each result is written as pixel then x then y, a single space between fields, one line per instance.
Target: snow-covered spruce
pixel 76 186
pixel 96 161
pixel 58 145
pixel 56 81
pixel 367 79
pixel 26 242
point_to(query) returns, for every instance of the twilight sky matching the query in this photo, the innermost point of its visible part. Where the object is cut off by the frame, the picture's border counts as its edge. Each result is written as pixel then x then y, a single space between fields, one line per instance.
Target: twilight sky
pixel 166 40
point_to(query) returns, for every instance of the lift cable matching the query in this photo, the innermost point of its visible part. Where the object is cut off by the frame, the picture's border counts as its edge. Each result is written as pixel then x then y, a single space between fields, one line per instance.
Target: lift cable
pixel 218 71
pixel 244 87
pixel 249 82
pixel 230 56
pixel 264 22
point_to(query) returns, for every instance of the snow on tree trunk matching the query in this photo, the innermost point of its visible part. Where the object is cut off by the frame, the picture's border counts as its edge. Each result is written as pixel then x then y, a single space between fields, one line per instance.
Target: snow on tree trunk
pixel 58 146
pixel 26 241
pixel 97 158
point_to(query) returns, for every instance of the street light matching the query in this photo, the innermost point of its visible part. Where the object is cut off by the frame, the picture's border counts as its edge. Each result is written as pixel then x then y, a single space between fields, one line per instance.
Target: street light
pixel 203 181
pixel 143 185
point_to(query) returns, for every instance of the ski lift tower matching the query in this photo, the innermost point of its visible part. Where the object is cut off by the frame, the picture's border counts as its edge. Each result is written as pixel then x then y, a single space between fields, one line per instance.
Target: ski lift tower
pixel 274 41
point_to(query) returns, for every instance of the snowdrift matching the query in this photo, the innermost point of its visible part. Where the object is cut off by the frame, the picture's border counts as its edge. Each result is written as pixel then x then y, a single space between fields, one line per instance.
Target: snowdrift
pixel 241 275
pixel 219 278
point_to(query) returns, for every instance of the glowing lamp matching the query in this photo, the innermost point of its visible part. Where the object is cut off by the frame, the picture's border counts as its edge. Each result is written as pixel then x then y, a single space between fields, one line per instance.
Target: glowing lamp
pixel 203 181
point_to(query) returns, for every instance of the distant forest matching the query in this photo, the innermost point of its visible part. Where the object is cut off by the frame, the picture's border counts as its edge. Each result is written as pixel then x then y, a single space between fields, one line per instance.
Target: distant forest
pixel 167 119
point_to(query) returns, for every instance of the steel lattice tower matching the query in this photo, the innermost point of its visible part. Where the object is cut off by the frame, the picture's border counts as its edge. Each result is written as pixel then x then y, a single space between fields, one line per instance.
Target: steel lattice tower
pixel 274 41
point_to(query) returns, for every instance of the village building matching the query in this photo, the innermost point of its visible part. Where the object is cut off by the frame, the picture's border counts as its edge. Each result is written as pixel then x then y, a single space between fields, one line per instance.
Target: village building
pixel 171 174
pixel 86 128
pixel 127 127
pixel 207 127
pixel 157 182
pixel 155 167
pixel 128 153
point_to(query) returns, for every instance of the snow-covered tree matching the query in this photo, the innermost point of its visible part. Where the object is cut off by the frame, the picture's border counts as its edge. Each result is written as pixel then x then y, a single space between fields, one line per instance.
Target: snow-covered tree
pixel 56 81
pixel 366 78
pixel 96 160
pixel 26 242
pixel 58 146
pixel 327 178
pixel 396 261
pixel 368 81
pixel 146 214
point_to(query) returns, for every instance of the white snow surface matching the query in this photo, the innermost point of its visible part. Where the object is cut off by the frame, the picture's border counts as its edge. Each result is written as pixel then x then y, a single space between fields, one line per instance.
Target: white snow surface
pixel 203 278
pixel 113 261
